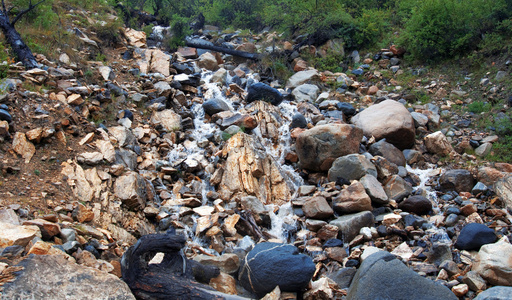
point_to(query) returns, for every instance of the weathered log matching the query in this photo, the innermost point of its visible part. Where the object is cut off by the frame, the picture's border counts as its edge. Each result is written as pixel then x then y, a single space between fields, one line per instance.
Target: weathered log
pixel 173 278
pixel 202 44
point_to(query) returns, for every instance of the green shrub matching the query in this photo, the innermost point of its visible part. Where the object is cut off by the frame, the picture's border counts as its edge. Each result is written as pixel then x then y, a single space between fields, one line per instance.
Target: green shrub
pixel 180 28
pixel 479 107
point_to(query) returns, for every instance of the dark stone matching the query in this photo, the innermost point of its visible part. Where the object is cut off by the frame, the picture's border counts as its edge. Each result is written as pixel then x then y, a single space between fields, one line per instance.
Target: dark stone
pixel 413 220
pixel 416 204
pixel 298 121
pixel 261 91
pixel 183 68
pixel 343 277
pixel 11 251
pixel 346 108
pixel 357 72
pixel 388 151
pixel 271 264
pixel 214 106
pixel 115 90
pixel 93 251
pixel 333 243
pixel 382 276
pixel 459 180
pixel 475 235
pixel 495 293
pixel 474 143
pixel 451 220
pixel 334 114
pixel 352 263
pixel 125 113
pixel 5 116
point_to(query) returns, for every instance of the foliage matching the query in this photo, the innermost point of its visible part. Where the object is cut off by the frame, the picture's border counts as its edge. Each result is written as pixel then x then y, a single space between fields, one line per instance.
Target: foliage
pixel 479 107
pixel 5 59
pixel 180 29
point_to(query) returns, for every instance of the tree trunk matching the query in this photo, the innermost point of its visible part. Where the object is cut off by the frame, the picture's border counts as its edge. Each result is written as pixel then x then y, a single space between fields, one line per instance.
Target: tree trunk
pixel 202 44
pixel 21 50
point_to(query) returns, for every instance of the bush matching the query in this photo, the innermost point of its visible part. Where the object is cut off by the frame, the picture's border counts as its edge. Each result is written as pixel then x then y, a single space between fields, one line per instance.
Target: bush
pixel 479 107
pixel 180 29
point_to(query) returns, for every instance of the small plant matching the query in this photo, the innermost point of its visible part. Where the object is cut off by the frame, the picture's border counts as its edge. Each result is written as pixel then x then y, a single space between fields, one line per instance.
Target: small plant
pixel 37 172
pixel 479 107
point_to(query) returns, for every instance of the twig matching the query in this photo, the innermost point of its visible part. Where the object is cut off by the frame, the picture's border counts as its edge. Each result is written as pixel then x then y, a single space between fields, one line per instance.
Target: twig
pixel 30 7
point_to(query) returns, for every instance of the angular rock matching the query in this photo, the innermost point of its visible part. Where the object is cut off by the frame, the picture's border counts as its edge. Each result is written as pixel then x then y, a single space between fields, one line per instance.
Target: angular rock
pixel 350 225
pixel 495 293
pixel 382 276
pixel 503 189
pixel 135 38
pixel 17 234
pixel 437 143
pixel 388 151
pixel 227 263
pixel 263 92
pixel 107 73
pixel 494 263
pixel 305 92
pixel 208 61
pixel 224 283
pixel 270 264
pixel 352 199
pixel 474 281
pixel 23 147
pixel 483 149
pixel 214 105
pixel 76 179
pixel 390 120
pixel 301 78
pixel 351 167
pixel 459 180
pixel 474 235
pixel 54 277
pixel 131 189
pixel 169 120
pixel 160 62
pixel 317 208
pixel 163 88
pixel 416 204
pixel 374 189
pixel 48 229
pixel 318 147
pixel 397 188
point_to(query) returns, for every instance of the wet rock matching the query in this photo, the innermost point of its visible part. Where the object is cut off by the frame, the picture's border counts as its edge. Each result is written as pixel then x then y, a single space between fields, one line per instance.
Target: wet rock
pixel 23 147
pixel 352 199
pixel 263 92
pixel 397 188
pixel 131 189
pixel 419 205
pixel 388 151
pixel 208 61
pixel 494 263
pixel 270 264
pixel 224 283
pixel 390 120
pixel 459 180
pixel 413 156
pixel 495 293
pixel 351 224
pixel 214 106
pixel 227 263
pixel 17 234
pixel 437 143
pixel 381 275
pixel 170 120
pixel 305 92
pixel 298 121
pixel 249 170
pixel 317 208
pixel 318 147
pixel 54 277
pixel 351 167
pixel 475 235
pixel 374 189
pixel 301 78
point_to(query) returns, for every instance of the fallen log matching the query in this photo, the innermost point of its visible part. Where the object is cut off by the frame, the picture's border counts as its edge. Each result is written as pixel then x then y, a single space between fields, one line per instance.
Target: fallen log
pixel 173 278
pixel 202 44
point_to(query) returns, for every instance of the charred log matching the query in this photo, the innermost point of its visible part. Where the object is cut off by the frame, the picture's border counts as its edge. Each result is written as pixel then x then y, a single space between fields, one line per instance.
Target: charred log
pixel 202 44
pixel 174 278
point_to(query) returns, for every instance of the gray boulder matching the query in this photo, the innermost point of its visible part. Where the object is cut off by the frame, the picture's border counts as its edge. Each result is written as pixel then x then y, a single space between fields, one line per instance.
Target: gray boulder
pixel 263 92
pixel 388 151
pixel 306 92
pixel 351 167
pixel 382 276
pixel 496 293
pixel 459 180
pixel 214 106
pixel 350 225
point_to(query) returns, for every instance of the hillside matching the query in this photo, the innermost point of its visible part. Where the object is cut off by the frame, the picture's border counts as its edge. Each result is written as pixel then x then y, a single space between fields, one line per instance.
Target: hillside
pixel 334 170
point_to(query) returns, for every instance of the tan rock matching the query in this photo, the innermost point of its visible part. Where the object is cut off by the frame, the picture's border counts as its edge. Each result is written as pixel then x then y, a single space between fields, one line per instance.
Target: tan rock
pixel 83 213
pixel 23 147
pixel 107 150
pixel 227 263
pixel 75 99
pixel 48 229
pixel 320 289
pixel 352 199
pixel 39 248
pixel 317 208
pixel 131 189
pixel 224 283
pixel 188 52
pixel 90 158
pixel 494 263
pixel 135 38
pixel 35 135
pixel 229 224
pixel 373 90
pixel 170 120
pixel 17 234
pixel 4 128
pixel 87 138
pixel 437 143
pixel 160 62
pixel 207 61
pixel 75 177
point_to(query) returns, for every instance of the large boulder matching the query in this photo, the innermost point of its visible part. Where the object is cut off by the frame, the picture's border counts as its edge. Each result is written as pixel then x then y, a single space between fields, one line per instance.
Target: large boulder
pixel 263 92
pixel 382 276
pixel 390 120
pixel 417 204
pixel 271 264
pixel 495 293
pixel 388 151
pixel 306 92
pixel 459 180
pixel 301 78
pixel 475 235
pixel 437 143
pixel 54 277
pixel 317 148
pixel 503 188
pixel 494 263
pixel 351 167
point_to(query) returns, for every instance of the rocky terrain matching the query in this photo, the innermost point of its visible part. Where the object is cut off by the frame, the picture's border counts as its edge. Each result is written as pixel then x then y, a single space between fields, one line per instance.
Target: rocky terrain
pixel 326 185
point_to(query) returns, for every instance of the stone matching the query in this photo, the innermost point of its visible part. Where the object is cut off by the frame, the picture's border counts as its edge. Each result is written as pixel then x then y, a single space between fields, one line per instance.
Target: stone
pixel 437 143
pixel 224 283
pixel 8 215
pixel 494 263
pixel 342 277
pixel 306 92
pixel 390 219
pixel 208 61
pixel 351 167
pixel 388 151
pixel 214 105
pixel 417 204
pixel 397 188
pixel 413 156
pixel 107 150
pixel 390 120
pixel 17 234
pixel 317 148
pixel 263 92
pixel 76 179
pixel 160 62
pixel 107 73
pixel 460 290
pixel 503 189
pixel 352 199
pixel 495 293
pixel 419 119
pixel 220 76
pixel 90 158
pixel 64 58
pixel 474 281
pixel 130 188
pixel 23 147
pixel 302 77
pixel 169 120
pixel 382 276
pixel 48 229
pixel 269 265
pixel 328 232
pixel 385 168
pixel 374 189
pixel 320 289
pixel 298 121
pixel 227 263
pixel 403 251
pixel 351 224
pixel 483 150
pixel 473 236
pixel 490 176
pixel 163 88
pixel 459 180
pixel 75 99
pixel 54 277
pixel 317 208
pixel 135 38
